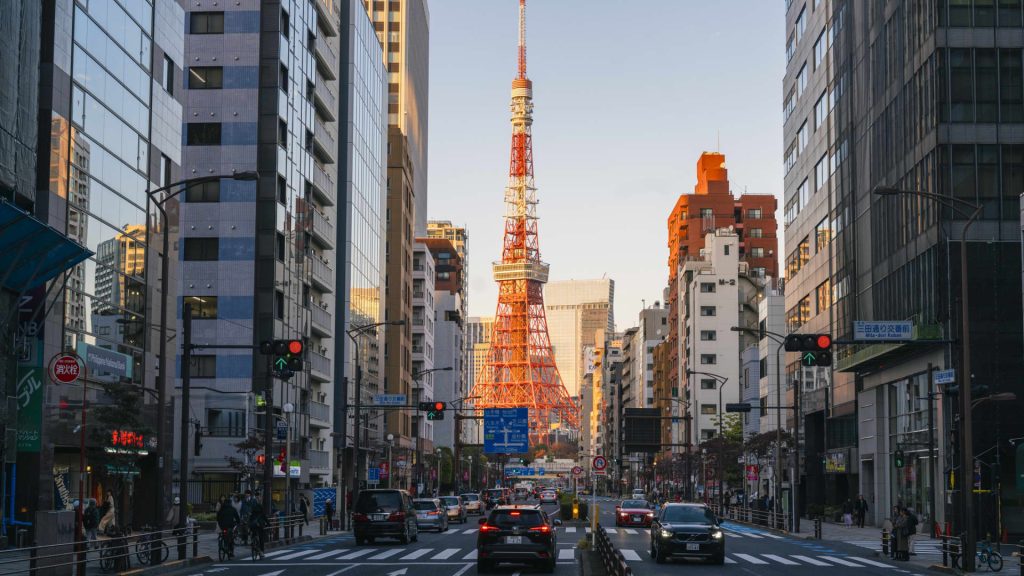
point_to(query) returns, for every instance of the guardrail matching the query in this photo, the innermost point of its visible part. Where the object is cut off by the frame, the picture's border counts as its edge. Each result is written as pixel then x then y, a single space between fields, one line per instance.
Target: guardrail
pixel 766 518
pixel 123 551
pixel 613 560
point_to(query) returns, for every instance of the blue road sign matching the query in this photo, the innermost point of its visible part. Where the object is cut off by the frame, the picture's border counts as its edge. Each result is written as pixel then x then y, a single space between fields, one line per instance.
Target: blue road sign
pixel 540 471
pixel 282 430
pixel 944 376
pixel 373 475
pixel 506 430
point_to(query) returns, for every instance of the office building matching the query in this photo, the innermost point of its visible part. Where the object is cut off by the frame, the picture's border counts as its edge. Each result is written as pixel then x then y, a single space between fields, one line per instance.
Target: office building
pixel 478 346
pixel 576 310
pixel 423 354
pixel 460 241
pixel 771 325
pixel 259 259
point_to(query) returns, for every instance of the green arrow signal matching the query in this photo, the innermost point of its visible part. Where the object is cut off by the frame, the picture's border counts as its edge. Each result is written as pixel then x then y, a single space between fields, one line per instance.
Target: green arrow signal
pixel 281 363
pixel 809 358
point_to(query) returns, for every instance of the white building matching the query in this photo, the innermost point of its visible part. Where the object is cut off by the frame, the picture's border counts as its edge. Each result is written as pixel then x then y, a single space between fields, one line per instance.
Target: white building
pixel 423 310
pixel 771 318
pixel 576 310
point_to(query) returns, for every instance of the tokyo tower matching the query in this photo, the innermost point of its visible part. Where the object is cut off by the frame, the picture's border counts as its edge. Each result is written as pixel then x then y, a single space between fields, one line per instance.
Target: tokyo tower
pixel 520 369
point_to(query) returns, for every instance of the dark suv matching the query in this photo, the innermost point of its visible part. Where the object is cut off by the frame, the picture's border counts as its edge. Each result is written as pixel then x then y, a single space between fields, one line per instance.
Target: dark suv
pixel 522 534
pixel 387 513
pixel 687 531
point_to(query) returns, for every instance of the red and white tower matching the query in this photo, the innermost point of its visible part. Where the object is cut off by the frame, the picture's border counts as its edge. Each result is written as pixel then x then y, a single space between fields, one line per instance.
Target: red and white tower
pixel 520 369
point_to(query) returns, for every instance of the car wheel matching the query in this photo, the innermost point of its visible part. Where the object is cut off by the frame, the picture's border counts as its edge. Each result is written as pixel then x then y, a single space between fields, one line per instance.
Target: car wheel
pixel 415 534
pixel 483 566
pixel 360 540
pixel 718 559
pixel 405 538
pixel 659 557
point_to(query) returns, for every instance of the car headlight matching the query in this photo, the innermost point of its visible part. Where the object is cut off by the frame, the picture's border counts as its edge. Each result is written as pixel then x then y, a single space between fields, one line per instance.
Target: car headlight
pixel 717 535
pixel 665 533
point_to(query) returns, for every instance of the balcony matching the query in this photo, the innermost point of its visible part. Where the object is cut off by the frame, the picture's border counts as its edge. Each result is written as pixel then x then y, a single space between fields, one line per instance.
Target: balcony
pixel 319 367
pixel 324 185
pixel 319 461
pixel 325 101
pixel 322 321
pixel 326 51
pixel 327 16
pixel 319 415
pixel 325 141
pixel 322 228
pixel 323 274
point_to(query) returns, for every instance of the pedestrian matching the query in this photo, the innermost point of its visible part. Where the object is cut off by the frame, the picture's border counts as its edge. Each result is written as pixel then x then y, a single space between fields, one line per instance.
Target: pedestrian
pixel 90 520
pixel 107 513
pixel 902 529
pixel 848 513
pixel 329 511
pixel 304 508
pixel 173 513
pixel 912 522
pixel 860 509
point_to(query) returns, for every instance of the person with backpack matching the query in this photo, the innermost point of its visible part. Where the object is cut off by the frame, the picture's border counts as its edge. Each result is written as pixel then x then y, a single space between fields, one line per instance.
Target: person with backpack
pixel 912 522
pixel 91 520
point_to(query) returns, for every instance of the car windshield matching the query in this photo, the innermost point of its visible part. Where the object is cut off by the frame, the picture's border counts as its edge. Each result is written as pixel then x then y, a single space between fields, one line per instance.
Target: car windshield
pixel 495 493
pixel 379 502
pixel 470 497
pixel 511 518
pixel 424 505
pixel 690 514
pixel 634 504
pixel 450 501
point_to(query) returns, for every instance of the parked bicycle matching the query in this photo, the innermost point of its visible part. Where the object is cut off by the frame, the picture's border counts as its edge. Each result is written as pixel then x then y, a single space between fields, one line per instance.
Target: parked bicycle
pixel 150 548
pixel 114 554
pixel 985 556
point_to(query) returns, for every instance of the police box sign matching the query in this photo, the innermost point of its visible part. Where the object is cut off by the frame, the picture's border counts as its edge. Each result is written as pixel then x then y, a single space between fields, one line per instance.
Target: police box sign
pixel 892 330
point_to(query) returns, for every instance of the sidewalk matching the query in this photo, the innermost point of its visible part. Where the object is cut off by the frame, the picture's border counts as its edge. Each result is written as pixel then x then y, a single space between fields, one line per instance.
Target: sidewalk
pixel 928 550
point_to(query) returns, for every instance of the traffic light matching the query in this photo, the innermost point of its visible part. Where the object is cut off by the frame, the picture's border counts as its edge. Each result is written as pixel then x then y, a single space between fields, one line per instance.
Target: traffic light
pixel 897 458
pixel 287 354
pixel 815 349
pixel 261 459
pixel 436 411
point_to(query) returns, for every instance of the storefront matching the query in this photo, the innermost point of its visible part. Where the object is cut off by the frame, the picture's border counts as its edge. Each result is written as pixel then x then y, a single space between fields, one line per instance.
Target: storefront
pixel 912 469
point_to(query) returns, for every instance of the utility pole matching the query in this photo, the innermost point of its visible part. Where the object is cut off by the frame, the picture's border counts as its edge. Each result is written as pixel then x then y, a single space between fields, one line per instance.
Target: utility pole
pixel 186 380
pixel 268 438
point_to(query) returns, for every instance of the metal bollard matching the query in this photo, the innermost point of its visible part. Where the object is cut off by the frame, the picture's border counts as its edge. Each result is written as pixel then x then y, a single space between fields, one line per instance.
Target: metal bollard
pixel 885 542
pixel 195 542
pixel 945 549
pixel 817 528
pixel 33 563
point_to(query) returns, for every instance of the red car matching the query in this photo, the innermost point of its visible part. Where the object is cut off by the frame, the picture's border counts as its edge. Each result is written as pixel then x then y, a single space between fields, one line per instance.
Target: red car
pixel 634 513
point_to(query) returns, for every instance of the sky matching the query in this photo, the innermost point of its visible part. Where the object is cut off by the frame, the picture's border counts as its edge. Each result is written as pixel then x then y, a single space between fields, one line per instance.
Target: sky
pixel 627 95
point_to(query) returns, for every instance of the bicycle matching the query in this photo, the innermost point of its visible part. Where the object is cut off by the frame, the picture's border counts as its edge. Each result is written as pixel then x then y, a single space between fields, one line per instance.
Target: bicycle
pixel 150 548
pixel 114 554
pixel 985 555
pixel 256 543
pixel 225 539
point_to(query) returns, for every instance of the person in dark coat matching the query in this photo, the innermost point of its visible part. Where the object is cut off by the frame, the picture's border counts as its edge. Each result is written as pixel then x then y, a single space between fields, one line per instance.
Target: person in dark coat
pixel 860 510
pixel 304 508
pixel 227 520
pixel 329 512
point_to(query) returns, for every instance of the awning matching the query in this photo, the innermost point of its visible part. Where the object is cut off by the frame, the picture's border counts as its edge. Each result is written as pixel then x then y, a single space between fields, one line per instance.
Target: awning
pixel 31 252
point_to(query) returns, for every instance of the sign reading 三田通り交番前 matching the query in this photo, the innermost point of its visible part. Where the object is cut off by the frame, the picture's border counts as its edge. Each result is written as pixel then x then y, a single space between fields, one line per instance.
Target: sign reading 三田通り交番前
pixel 883 330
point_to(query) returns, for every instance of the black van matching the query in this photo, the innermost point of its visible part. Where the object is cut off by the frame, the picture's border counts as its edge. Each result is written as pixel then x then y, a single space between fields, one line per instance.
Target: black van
pixel 384 513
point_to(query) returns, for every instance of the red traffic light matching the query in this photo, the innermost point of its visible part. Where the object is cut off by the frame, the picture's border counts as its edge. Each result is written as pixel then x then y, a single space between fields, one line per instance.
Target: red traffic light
pixel 261 459
pixel 824 341
pixel 438 405
pixel 295 347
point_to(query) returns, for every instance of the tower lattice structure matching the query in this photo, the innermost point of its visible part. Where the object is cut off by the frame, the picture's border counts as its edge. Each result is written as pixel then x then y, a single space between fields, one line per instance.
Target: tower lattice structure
pixel 520 370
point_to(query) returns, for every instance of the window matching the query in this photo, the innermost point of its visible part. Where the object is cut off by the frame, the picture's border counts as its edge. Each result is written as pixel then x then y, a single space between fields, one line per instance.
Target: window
pixel 165 170
pixel 802 137
pixel 706 213
pixel 286 26
pixel 822 235
pixel 790 48
pixel 707 434
pixel 201 249
pixel 204 134
pixel 821 172
pixel 757 252
pixel 707 287
pixel 820 111
pixel 205 77
pixel 279 305
pixel 801 25
pixel 755 233
pixel 168 78
pixel 204 366
pixel 824 296
pixel 789 105
pixel 203 307
pixel 206 23
pixel 282 190
pixel 282 133
pixel 790 159
pixel 708 409
pixel 280 247
pixel 205 192
pixel 1011 84
pixel 804 194
pixel 707 311
pixel 709 359
pixel 986 84
pixel 753 213
pixel 820 49
pixel 1009 13
pixel 961 85
pixel 283 78
pixel 708 335
pixel 726 249
pixel 801 80
pixel 708 384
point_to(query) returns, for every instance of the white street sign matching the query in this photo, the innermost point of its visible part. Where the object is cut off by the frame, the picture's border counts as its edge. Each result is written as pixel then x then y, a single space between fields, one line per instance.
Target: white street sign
pixel 884 330
pixel 944 376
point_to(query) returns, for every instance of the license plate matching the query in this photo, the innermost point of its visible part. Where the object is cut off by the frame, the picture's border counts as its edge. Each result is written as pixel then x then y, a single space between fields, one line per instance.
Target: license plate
pixel 422 516
pixel 513 539
pixel 636 518
pixel 378 517
pixel 693 547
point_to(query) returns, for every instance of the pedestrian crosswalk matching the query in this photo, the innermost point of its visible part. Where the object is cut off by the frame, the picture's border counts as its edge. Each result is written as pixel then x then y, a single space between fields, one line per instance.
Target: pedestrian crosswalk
pixel 925 548
pixel 441 553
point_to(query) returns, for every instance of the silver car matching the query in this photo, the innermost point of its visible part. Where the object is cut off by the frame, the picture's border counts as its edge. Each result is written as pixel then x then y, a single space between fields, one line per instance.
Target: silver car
pixel 455 508
pixel 430 514
pixel 474 505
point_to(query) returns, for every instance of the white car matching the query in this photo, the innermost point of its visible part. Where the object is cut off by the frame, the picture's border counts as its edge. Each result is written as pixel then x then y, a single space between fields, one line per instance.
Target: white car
pixel 548 497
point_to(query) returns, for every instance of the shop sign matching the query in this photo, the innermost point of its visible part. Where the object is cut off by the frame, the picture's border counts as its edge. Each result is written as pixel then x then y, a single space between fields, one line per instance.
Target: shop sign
pixel 835 462
pixel 127 442
pixel 752 475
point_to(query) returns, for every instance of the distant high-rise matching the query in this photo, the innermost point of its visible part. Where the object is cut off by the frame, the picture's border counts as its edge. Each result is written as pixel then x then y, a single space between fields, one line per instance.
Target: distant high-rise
pixel 576 310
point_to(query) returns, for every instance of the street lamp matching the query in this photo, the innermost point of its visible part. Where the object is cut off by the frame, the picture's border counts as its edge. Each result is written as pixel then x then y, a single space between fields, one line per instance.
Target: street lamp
pixel 391 472
pixel 357 470
pixel 288 408
pixel 161 415
pixel 721 385
pixel 967 433
pixel 686 412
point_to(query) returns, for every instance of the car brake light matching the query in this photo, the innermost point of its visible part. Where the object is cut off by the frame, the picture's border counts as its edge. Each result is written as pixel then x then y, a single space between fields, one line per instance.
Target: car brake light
pixel 358 517
pixel 396 517
pixel 515 514
pixel 545 529
pixel 489 528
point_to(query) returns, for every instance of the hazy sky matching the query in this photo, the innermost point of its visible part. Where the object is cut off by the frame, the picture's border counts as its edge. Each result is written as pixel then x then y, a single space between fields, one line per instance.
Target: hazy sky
pixel 627 95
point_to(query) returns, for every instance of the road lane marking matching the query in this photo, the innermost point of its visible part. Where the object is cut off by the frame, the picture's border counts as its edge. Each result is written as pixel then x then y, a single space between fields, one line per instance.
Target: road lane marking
pixel 566 554
pixel 570 529
pixel 463 570
pixel 611 530
pixel 387 554
pixel 629 531
pixel 470 556
pixel 842 562
pixel 471 530
pixel 869 562
pixel 295 555
pixel 781 560
pixel 327 554
pixel 587 530
pixel 446 554
pixel 751 559
pixel 276 553
pixel 417 553
pixel 812 561
pixel 630 555
pixel 345 569
pixel 730 560
pixel 733 534
pixel 356 554
pixel 768 535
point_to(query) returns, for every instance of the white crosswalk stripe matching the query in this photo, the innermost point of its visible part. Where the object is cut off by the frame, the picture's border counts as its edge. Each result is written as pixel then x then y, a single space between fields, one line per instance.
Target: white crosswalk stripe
pixel 387 554
pixel 417 553
pixel 445 554
pixel 840 561
pixel 470 556
pixel 770 535
pixel 733 534
pixel 781 560
pixel 630 555
pixel 356 554
pixel 470 531
pixel 629 531
pixel 294 555
pixel 730 560
pixel 276 553
pixel 327 554
pixel 611 530
pixel 869 562
pixel 750 558
pixel 811 561
pixel 570 529
pixel 566 554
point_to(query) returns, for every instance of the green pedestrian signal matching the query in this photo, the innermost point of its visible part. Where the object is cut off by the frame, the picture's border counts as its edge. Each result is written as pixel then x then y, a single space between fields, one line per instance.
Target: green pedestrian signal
pixel 897 459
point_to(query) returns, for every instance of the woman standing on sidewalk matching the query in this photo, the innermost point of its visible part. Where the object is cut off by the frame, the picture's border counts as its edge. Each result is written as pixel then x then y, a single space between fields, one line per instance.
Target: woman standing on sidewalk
pixel 900 529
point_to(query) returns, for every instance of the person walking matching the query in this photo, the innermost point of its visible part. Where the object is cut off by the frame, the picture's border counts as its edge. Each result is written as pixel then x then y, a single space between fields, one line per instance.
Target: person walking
pixel 90 520
pixel 304 508
pixel 860 509
pixel 900 527
pixel 329 511
pixel 172 518
pixel 108 514
pixel 848 513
